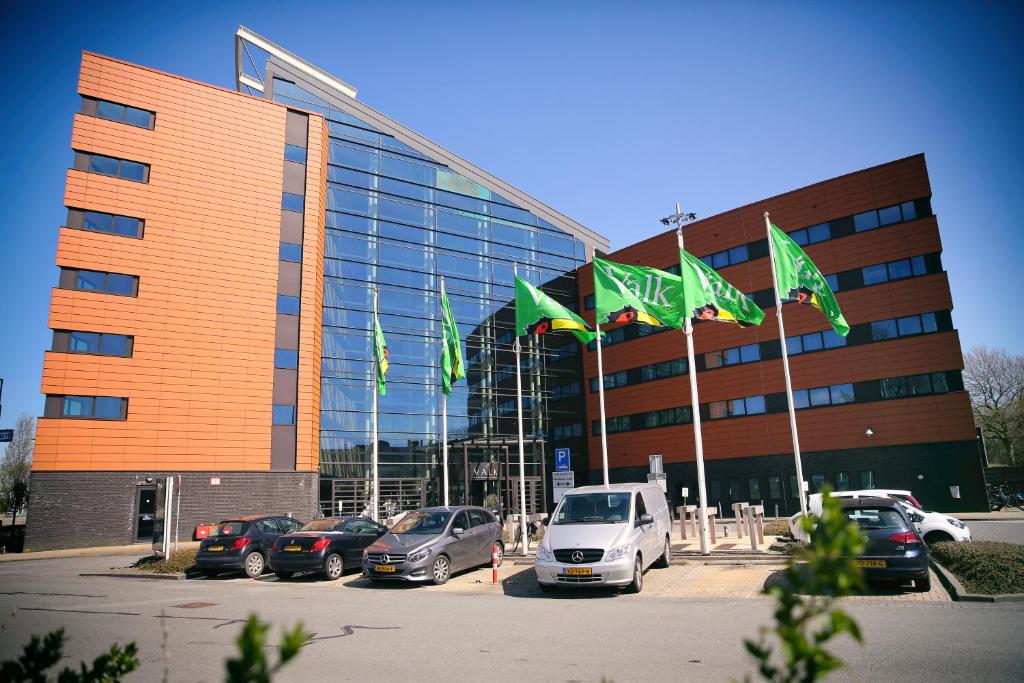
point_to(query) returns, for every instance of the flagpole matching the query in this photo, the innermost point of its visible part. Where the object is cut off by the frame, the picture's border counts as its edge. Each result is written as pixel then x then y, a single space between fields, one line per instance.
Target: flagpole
pixel 522 454
pixel 444 408
pixel 376 369
pixel 698 437
pixel 785 370
pixel 600 398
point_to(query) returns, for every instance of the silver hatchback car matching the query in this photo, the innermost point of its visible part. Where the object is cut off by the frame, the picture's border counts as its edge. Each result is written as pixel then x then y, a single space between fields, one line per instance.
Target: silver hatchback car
pixel 433 543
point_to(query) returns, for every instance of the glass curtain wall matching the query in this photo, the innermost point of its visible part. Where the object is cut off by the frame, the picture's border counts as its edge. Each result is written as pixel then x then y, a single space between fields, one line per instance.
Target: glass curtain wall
pixel 397 219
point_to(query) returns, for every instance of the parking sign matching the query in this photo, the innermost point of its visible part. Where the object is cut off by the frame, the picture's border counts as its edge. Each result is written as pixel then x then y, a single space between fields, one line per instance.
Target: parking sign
pixel 562 460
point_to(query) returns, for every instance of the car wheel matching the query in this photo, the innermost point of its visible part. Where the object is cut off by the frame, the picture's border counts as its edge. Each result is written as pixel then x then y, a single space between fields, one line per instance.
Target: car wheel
pixel 441 570
pixel 923 585
pixel 638 577
pixel 937 537
pixel 334 567
pixel 253 564
pixel 284 575
pixel 666 557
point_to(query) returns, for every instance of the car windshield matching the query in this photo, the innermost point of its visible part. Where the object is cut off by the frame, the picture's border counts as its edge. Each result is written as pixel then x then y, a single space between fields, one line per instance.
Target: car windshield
pixel 593 508
pixel 231 529
pixel 422 523
pixel 321 525
pixel 875 518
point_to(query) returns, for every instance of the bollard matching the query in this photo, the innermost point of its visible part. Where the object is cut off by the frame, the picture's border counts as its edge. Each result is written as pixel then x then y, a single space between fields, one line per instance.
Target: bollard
pixel 759 526
pixel 750 528
pixel 494 563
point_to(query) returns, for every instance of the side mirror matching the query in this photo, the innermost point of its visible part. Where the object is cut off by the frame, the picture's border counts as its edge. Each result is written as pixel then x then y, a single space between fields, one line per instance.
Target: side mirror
pixel 458 531
pixel 646 519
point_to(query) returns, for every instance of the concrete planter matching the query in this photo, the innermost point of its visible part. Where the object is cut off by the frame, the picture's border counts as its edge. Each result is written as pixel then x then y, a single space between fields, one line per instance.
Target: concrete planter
pixel 960 593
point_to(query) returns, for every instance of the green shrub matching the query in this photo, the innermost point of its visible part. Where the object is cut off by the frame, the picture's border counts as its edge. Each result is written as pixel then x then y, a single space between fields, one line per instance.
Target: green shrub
pixel 984 567
pixel 43 653
pixel 251 665
pixel 776 527
pixel 181 561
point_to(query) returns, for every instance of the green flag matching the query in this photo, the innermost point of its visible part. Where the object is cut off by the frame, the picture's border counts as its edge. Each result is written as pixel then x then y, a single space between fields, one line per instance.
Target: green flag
pixel 538 313
pixel 707 295
pixel 637 294
pixel 452 367
pixel 796 277
pixel 380 352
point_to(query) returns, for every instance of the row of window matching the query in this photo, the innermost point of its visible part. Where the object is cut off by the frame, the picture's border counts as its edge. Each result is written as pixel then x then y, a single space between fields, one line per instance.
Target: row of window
pixel 862 333
pixel 837 394
pixel 99 343
pixel 98 281
pixel 112 166
pixel 87 407
pixel 98 221
pixel 122 113
pixel 754 492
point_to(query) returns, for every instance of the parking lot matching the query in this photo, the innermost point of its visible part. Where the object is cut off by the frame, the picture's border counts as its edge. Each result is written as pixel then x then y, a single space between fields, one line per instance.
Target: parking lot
pixel 688 624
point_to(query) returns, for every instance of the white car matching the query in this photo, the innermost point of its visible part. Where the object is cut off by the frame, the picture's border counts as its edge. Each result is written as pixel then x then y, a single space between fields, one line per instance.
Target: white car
pixel 605 536
pixel 934 527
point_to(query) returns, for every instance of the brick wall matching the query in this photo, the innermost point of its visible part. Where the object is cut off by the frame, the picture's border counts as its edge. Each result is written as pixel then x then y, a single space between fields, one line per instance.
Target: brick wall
pixel 79 509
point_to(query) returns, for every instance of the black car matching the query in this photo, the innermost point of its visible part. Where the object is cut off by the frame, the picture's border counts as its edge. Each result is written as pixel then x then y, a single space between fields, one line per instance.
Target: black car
pixel 329 545
pixel 893 549
pixel 243 543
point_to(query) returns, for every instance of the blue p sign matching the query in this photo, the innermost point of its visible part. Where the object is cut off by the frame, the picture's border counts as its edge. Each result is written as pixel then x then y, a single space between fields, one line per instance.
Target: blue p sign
pixel 561 459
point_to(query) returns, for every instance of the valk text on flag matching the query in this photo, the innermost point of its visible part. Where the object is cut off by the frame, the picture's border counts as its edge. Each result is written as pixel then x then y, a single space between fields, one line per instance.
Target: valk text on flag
pixel 708 296
pixel 637 294
pixel 380 353
pixel 796 277
pixel 452 367
pixel 538 313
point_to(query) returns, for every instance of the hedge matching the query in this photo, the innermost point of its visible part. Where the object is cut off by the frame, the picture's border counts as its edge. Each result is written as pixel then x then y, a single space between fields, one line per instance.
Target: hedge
pixel 182 561
pixel 984 567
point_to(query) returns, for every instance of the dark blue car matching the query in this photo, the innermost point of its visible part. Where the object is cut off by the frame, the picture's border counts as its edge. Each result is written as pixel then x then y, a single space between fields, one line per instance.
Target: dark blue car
pixel 893 549
pixel 243 543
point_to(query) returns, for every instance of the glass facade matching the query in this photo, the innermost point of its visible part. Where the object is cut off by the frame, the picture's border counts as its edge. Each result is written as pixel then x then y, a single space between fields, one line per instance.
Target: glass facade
pixel 400 220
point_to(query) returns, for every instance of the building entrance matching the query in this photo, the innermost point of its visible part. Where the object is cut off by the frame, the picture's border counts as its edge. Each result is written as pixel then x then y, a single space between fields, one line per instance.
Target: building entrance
pixel 145 516
pixel 485 472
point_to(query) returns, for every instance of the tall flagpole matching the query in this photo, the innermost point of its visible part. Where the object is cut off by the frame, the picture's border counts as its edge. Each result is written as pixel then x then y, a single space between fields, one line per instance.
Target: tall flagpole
pixel 785 370
pixel 375 503
pixel 600 395
pixel 698 437
pixel 444 407
pixel 522 454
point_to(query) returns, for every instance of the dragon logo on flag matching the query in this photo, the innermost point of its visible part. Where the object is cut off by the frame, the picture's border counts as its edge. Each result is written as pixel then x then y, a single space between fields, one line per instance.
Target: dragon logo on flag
pixel 629 314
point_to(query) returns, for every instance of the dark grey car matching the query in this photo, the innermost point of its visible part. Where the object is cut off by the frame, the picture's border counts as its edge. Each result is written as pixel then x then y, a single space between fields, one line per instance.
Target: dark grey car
pixel 433 543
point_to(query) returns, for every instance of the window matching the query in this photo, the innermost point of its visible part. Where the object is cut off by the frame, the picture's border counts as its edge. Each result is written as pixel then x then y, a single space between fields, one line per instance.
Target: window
pixel 639 508
pixel 899 269
pixel 295 153
pixel 715 490
pixel 91 342
pixel 793 492
pixel 867 479
pixel 728 257
pixel 97 221
pixel 737 407
pixel 477 518
pixel 287 304
pixel 884 329
pixel 121 113
pixel 89 407
pixel 292 202
pixel 291 252
pixel 283 415
pixel 286 358
pixel 836 394
pixel 865 221
pixel 874 275
pixel 754 488
pixel 96 281
pixel 775 487
pixel 909 325
pixel 842 481
pixel 817 481
pixel 914 385
pixel 112 166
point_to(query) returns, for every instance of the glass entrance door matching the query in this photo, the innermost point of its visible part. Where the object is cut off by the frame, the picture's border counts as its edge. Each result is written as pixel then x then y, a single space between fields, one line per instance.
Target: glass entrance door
pixel 145 505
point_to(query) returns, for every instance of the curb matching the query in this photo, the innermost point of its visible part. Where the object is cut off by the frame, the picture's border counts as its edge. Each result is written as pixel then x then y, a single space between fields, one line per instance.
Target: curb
pixel 140 575
pixel 960 594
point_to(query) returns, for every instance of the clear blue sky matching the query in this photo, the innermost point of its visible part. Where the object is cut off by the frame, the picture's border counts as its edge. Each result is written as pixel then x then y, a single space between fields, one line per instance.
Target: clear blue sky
pixel 610 112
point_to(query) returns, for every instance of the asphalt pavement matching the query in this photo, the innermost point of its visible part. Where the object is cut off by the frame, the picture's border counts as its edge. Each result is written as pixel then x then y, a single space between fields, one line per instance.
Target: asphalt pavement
pixel 396 632
pixel 1007 531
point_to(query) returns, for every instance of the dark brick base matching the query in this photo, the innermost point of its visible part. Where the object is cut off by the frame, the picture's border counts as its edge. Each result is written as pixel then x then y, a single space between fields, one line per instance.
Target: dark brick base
pixel 928 470
pixel 77 509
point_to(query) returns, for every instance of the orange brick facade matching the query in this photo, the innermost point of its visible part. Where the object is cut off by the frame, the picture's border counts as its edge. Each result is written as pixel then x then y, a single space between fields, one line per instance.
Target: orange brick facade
pixel 199 381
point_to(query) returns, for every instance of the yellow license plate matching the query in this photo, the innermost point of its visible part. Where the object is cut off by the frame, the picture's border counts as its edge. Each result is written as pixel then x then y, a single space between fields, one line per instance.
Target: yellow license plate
pixel 215 548
pixel 578 571
pixel 385 568
pixel 292 548
pixel 874 564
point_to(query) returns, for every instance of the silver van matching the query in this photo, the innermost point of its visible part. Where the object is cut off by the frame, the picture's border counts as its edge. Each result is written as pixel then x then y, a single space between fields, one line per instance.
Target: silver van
pixel 605 536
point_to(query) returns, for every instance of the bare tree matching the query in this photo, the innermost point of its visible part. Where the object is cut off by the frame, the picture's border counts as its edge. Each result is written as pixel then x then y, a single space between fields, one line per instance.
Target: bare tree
pixel 995 380
pixel 16 465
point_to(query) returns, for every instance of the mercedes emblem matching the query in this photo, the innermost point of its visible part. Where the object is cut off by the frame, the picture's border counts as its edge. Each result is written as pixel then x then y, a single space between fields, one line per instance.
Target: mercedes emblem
pixel 577 557
pixel 384 559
